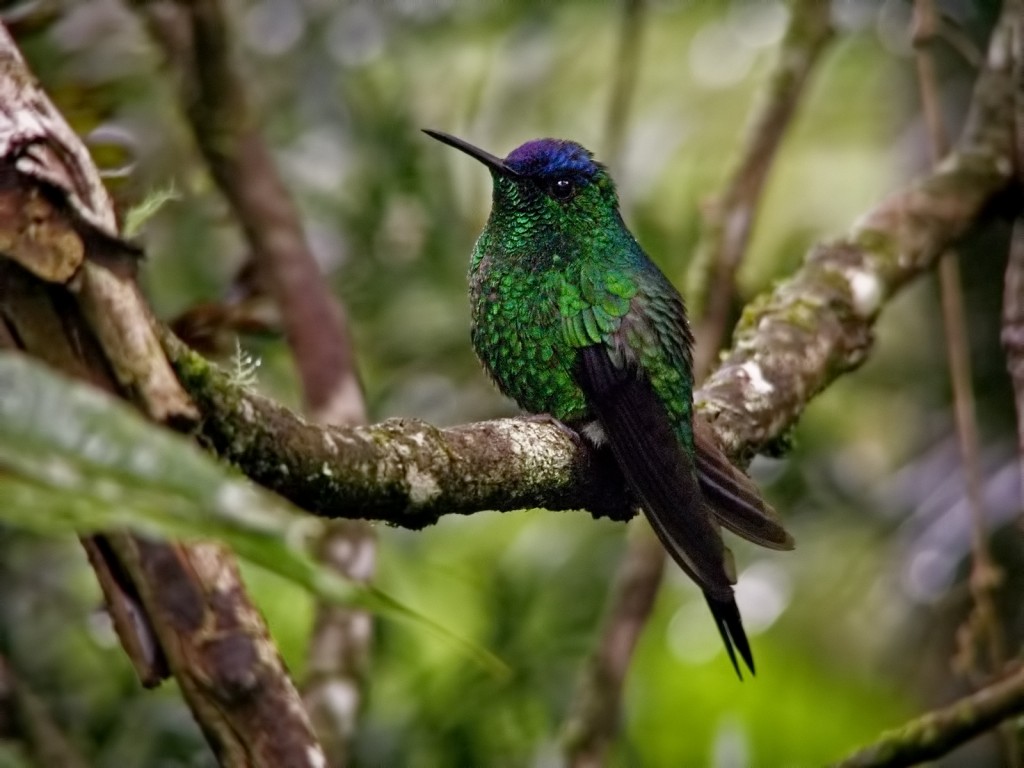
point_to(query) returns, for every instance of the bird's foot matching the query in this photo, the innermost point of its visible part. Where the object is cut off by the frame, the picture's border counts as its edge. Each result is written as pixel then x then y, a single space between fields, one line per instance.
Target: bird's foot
pixel 547 418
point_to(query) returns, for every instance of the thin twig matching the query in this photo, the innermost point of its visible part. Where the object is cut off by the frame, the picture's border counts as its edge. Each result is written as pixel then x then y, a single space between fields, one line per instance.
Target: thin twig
pixel 791 343
pixel 815 325
pixel 730 218
pixel 983 626
pixel 951 33
pixel 32 325
pixel 215 99
pixel 190 597
pixel 1013 287
pixel 592 720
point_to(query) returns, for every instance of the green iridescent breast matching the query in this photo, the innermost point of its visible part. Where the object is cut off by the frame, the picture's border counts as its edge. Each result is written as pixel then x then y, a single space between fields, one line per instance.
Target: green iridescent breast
pixel 537 299
pixel 517 334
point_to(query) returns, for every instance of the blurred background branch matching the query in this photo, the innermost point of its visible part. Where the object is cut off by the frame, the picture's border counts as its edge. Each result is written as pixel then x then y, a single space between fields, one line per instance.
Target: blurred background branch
pixel 625 68
pixel 982 628
pixel 791 345
pixel 810 329
pixel 783 352
pixel 592 720
pixel 197 42
pixel 1013 327
pixel 730 217
pixel 936 733
pixel 1012 330
pixel 190 597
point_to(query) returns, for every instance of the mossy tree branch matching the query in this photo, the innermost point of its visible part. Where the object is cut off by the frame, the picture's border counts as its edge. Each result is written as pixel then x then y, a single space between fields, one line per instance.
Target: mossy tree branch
pixel 403 472
pixel 815 326
pixel 591 725
pixel 936 733
pixel 791 343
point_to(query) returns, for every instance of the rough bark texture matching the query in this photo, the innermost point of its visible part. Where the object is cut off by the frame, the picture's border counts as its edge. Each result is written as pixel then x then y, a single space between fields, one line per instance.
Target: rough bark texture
pixel 816 325
pixel 401 471
pixel 71 299
pixel 592 723
pixel 56 210
pixel 197 42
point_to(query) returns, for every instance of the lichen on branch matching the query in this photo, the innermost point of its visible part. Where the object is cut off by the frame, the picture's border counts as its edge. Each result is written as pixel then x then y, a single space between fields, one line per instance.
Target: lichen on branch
pixel 401 471
pixel 791 343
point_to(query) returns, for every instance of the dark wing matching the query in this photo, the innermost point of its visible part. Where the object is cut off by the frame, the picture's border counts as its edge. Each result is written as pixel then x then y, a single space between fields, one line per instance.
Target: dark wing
pixel 732 497
pixel 655 465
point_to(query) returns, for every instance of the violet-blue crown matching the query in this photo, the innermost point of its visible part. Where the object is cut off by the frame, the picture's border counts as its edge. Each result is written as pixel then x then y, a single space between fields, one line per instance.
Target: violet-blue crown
pixel 552 157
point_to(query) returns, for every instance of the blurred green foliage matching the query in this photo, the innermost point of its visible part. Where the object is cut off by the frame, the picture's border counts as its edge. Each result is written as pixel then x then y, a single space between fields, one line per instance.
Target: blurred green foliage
pixel 853 631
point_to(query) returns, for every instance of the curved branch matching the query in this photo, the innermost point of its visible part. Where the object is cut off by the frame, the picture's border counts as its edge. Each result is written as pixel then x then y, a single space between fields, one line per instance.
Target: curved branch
pixel 936 733
pixel 401 471
pixel 1013 329
pixel 790 345
pixel 195 35
pixel 815 326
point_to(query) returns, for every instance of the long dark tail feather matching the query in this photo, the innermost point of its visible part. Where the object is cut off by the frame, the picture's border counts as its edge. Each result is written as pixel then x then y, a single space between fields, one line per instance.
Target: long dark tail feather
pixel 659 471
pixel 730 627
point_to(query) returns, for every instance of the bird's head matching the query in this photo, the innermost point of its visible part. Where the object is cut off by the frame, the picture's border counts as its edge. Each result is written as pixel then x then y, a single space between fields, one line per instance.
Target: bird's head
pixel 550 179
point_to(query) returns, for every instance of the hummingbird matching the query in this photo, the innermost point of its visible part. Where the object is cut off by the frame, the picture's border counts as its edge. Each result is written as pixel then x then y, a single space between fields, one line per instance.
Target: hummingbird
pixel 571 318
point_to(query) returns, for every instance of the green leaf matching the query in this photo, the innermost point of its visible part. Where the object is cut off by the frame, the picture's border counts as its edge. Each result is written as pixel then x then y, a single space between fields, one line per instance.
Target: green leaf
pixel 73 459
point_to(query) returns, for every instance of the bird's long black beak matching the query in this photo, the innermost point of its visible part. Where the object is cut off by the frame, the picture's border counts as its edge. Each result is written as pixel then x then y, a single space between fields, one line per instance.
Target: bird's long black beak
pixel 494 163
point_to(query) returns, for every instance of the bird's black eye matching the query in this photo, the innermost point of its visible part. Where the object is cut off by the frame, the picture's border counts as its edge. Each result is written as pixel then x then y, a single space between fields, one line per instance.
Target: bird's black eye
pixel 562 189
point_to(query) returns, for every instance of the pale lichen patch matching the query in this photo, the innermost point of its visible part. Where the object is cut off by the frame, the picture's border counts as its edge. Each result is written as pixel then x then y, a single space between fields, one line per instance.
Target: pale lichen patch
pixel 758 383
pixel 419 439
pixel 865 291
pixel 210 563
pixel 422 485
pixel 329 443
